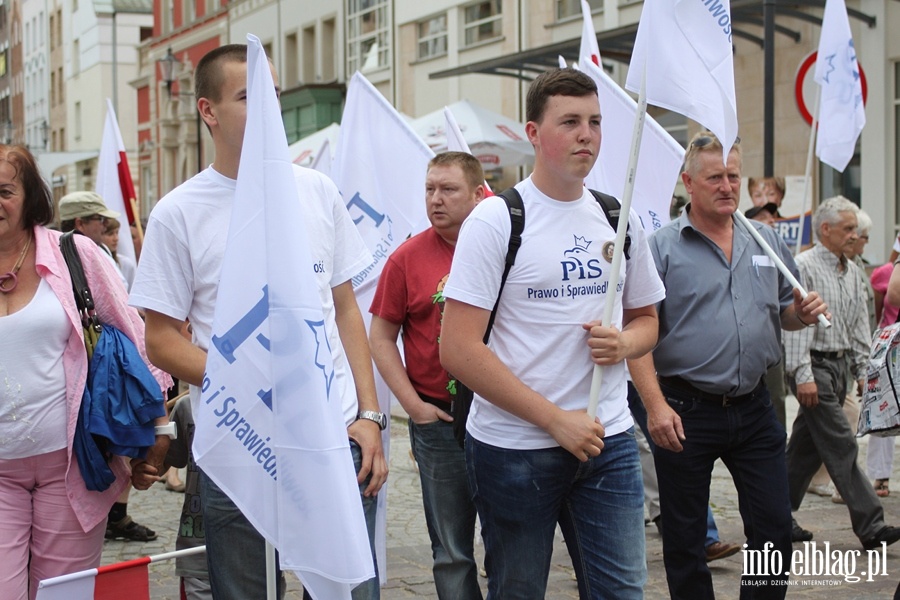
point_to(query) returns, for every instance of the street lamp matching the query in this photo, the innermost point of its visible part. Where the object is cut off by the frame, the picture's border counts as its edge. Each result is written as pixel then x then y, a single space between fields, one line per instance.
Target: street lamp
pixel 167 69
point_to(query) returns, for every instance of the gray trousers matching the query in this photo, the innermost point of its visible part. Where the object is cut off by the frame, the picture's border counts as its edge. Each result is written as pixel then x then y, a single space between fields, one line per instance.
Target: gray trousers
pixel 823 435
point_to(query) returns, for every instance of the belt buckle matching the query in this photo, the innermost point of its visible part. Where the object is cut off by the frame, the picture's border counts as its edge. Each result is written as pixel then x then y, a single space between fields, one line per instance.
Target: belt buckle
pixel 726 401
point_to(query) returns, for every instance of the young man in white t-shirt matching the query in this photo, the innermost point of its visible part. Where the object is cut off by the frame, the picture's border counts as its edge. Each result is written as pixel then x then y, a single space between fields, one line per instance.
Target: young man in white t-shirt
pixel 534 456
pixel 178 279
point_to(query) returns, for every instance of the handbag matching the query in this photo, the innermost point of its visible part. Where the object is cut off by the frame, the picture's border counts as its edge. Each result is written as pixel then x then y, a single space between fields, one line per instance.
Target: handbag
pixel 84 301
pixel 121 398
pixel 879 413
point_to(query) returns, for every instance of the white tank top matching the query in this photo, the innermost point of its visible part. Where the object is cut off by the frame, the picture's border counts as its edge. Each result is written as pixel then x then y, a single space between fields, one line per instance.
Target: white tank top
pixel 32 377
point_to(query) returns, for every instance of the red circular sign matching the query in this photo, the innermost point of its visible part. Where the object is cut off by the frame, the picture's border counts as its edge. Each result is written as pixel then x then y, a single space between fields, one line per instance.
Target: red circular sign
pixel 805 66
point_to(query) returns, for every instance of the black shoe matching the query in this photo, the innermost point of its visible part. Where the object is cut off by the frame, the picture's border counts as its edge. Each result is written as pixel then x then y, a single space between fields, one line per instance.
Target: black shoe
pixel 798 534
pixel 658 522
pixel 888 535
pixel 130 531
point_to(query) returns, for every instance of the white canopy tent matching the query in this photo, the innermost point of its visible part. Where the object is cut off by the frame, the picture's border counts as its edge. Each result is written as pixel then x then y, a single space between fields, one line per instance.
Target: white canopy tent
pixel 494 139
pixel 305 150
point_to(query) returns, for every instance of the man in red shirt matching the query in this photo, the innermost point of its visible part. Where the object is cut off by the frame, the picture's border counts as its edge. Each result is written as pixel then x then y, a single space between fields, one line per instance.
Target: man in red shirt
pixel 410 298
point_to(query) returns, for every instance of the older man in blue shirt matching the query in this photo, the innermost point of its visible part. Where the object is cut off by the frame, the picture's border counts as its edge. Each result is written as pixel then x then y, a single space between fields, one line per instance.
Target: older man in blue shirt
pixel 719 330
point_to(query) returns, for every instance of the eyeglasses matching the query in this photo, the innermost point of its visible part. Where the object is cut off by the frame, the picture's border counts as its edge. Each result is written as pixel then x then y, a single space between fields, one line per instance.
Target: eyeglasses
pixel 94 218
pixel 705 140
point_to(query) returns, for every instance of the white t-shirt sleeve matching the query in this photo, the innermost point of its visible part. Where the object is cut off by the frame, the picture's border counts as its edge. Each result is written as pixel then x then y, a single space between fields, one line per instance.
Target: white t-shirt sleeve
pixel 643 286
pixel 165 272
pixel 480 255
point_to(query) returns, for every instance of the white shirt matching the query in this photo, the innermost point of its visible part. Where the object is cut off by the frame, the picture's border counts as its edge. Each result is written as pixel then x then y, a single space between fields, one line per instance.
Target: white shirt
pixel 33 382
pixel 181 260
pixel 558 283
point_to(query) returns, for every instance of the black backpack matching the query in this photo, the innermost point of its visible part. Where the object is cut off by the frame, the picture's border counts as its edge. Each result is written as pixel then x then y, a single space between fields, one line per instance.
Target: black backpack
pixel 462 399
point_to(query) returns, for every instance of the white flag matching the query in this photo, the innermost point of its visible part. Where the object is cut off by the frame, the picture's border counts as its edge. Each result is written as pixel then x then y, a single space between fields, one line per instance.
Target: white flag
pixel 268 432
pixel 457 143
pixel 112 168
pixel 841 113
pixel 685 47
pixel 659 162
pixel 379 166
pixel 589 51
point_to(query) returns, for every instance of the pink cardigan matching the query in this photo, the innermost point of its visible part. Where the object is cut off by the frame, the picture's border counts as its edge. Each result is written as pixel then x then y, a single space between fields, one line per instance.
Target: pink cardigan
pixel 111 301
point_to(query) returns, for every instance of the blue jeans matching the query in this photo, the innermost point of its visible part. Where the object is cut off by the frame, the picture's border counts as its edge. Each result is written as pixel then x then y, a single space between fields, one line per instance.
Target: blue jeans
pixel 751 442
pixel 640 417
pixel 522 494
pixel 236 552
pixel 449 510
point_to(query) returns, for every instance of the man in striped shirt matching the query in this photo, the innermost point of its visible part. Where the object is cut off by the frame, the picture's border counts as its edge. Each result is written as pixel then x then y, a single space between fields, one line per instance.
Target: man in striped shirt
pixel 818 362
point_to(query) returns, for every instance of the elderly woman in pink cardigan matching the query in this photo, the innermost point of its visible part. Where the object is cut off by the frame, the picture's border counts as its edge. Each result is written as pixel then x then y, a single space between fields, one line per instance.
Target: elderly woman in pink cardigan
pixel 50 524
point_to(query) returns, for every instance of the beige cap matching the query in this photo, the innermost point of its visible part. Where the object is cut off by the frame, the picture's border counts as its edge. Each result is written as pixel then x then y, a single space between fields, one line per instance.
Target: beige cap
pixel 83 204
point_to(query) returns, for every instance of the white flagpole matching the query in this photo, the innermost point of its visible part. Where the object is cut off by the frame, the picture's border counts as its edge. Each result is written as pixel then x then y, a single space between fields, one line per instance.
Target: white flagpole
pixel 809 164
pixel 271 572
pixel 619 248
pixel 778 262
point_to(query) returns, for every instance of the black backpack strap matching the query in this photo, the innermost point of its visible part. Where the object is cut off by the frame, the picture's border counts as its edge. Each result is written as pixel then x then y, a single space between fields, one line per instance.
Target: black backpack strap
pixel 612 209
pixel 517 222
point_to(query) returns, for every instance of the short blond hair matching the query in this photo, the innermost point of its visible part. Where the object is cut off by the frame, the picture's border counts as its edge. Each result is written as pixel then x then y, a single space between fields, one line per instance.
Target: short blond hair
pixel 705 141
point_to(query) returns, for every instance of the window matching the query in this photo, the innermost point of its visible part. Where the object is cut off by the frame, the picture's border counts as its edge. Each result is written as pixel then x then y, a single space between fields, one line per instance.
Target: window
pixel 368 36
pixel 432 36
pixel 572 8
pixel 189 9
pixel 482 22
pixel 77 121
pixel 309 54
pixel 76 57
pixel 328 50
pixel 52 31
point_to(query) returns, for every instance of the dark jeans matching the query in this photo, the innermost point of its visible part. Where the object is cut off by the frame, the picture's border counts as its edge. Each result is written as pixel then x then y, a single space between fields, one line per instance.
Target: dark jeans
pixel 521 495
pixel 751 443
pixel 236 552
pixel 449 509
pixel 639 413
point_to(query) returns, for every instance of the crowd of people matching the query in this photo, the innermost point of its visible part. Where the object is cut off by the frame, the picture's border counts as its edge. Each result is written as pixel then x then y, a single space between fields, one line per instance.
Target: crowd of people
pixel 533 459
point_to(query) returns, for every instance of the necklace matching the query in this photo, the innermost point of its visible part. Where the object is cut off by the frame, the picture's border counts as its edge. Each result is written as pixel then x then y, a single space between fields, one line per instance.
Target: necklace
pixel 9 281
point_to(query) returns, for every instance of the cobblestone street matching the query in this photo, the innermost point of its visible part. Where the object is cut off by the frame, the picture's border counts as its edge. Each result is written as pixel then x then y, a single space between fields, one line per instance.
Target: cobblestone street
pixel 409 551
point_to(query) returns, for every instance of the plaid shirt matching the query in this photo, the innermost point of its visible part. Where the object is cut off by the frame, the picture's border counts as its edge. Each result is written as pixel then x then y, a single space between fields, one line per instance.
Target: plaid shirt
pixel 840 286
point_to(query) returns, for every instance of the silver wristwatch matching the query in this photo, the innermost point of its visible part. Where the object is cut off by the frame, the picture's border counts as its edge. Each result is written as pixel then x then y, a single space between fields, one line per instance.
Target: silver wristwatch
pixel 371 415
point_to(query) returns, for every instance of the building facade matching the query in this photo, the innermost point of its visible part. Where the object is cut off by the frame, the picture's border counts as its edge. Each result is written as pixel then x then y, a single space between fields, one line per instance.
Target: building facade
pixel 424 55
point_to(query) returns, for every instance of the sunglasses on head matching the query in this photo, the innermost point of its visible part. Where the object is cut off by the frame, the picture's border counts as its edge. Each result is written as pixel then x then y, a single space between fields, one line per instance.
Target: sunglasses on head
pixel 705 140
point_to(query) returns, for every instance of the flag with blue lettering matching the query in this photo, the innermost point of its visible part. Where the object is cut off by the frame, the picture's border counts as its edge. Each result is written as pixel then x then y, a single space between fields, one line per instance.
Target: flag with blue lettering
pixel 268 431
pixel 659 162
pixel 685 47
pixel 842 115
pixel 379 166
